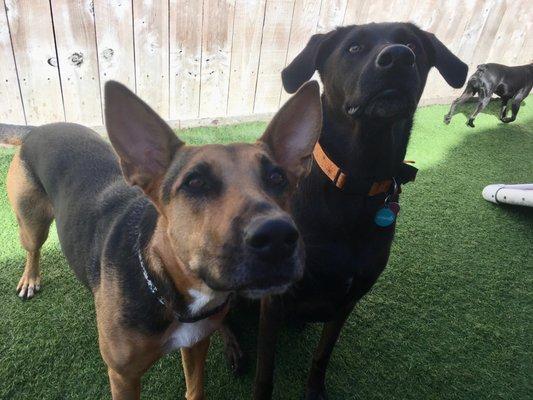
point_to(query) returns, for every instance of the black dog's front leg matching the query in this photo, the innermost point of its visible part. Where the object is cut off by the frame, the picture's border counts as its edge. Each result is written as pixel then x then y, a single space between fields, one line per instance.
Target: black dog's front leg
pixel 232 348
pixel 316 387
pixel 269 325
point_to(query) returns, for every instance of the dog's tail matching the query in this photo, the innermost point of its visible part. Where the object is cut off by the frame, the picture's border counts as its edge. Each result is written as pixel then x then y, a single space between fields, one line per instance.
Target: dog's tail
pixel 13 134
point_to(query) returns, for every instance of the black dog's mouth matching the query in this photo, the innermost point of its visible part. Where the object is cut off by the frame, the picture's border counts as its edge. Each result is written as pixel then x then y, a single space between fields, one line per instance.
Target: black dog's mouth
pixel 388 103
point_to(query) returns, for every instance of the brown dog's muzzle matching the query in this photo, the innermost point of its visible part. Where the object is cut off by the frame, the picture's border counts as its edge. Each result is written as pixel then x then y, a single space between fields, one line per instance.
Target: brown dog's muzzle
pixel 271 239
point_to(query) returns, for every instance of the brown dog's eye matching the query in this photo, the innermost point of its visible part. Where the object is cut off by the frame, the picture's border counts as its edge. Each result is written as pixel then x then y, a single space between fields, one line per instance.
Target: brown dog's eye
pixel 355 49
pixel 200 182
pixel 276 179
pixel 196 183
pixel 412 46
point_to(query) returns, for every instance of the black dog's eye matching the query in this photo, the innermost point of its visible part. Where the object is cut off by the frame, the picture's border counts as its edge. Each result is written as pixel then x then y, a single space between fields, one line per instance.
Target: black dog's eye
pixel 355 48
pixel 412 46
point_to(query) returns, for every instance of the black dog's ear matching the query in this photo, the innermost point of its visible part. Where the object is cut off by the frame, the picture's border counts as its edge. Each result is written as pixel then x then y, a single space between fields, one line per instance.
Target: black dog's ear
pixel 302 68
pixel 452 69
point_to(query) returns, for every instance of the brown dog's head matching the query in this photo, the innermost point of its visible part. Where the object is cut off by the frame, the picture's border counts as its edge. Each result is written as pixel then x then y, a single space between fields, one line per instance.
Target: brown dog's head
pixel 224 208
pixel 374 71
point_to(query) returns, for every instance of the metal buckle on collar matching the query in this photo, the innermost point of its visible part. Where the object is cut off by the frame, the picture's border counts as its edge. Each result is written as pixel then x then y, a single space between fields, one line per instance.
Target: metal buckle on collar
pixel 395 189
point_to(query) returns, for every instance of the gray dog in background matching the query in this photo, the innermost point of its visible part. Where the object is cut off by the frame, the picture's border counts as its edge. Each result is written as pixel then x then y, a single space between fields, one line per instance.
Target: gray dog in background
pixel 509 83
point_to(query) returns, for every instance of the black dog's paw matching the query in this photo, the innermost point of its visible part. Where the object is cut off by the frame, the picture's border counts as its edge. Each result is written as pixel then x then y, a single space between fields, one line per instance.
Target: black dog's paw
pixel 316 394
pixel 506 120
pixel 236 359
pixel 447 119
pixel 470 123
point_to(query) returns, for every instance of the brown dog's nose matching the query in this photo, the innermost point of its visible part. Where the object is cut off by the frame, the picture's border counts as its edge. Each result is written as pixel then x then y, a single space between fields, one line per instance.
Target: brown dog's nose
pixel 272 240
pixel 396 55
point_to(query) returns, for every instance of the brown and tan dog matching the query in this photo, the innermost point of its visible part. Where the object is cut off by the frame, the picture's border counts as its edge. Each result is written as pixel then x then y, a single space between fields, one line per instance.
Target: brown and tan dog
pixel 164 233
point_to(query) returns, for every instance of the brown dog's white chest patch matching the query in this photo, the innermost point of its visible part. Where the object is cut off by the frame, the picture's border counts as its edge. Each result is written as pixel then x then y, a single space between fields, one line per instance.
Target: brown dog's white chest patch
pixel 188 334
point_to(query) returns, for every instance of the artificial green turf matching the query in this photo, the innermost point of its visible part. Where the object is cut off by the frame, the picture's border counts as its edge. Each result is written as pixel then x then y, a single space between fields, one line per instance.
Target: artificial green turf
pixel 450 318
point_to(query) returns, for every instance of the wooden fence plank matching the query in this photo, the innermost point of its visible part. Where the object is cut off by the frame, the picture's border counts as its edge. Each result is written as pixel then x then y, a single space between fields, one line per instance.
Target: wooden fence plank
pixel 304 24
pixel 185 58
pixel 278 17
pixel 474 28
pixel 490 29
pixel 366 11
pixel 33 43
pixel 78 63
pixel 449 28
pixel 217 36
pixel 114 37
pixel 356 12
pixel 247 34
pixel 508 41
pixel 11 110
pixel 331 15
pixel 525 55
pixel 150 28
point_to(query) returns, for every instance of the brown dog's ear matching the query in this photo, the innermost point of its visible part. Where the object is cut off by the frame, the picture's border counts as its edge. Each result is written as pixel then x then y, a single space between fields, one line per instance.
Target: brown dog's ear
pixel 310 59
pixel 452 69
pixel 294 130
pixel 144 143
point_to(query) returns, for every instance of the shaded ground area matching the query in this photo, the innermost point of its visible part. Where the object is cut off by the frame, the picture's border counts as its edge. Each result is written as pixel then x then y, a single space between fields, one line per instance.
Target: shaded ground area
pixel 451 317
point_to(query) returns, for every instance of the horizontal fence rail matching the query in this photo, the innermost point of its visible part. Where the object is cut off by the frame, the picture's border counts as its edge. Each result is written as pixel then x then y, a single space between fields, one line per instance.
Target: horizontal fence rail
pixel 208 61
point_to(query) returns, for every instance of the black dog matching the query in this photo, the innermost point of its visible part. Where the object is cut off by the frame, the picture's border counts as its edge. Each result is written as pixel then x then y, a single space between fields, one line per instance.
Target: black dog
pixel 373 78
pixel 509 83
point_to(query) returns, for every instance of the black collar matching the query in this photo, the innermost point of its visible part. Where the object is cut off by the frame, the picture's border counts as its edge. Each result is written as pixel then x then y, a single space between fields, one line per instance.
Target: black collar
pixel 183 318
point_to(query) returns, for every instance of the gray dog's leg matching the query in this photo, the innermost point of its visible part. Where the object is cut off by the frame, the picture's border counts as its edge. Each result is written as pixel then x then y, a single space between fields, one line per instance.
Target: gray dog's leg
pixel 484 100
pixel 503 111
pixel 467 95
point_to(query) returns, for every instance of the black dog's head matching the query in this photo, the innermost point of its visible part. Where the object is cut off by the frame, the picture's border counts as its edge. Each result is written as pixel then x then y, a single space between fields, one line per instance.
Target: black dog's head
pixel 374 71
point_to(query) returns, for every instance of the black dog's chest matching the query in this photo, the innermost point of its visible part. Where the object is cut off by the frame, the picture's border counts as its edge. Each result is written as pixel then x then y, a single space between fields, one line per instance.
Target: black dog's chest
pixel 344 259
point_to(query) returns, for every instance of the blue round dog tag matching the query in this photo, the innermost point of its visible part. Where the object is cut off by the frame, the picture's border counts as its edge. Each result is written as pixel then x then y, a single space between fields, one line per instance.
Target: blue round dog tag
pixel 385 217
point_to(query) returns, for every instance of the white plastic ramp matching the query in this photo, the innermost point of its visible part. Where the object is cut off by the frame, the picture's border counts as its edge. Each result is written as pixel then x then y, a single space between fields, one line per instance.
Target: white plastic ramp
pixel 519 195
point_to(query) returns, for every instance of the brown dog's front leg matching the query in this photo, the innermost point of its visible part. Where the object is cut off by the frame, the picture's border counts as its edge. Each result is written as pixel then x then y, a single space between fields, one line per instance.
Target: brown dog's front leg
pixel 193 360
pixel 124 387
pixel 269 324
pixel 316 387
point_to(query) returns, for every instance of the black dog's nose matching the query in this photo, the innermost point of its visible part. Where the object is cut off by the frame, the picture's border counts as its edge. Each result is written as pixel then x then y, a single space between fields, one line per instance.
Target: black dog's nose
pixel 272 239
pixel 396 55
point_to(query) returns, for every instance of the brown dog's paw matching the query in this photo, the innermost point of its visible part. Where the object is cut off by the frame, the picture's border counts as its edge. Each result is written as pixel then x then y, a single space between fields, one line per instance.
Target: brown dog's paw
pixel 28 286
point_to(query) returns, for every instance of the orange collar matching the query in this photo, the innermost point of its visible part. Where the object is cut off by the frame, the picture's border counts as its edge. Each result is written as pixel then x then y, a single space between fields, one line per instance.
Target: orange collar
pixel 339 178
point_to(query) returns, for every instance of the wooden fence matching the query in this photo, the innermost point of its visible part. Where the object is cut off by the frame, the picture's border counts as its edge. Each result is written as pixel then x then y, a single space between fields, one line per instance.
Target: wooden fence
pixel 202 61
